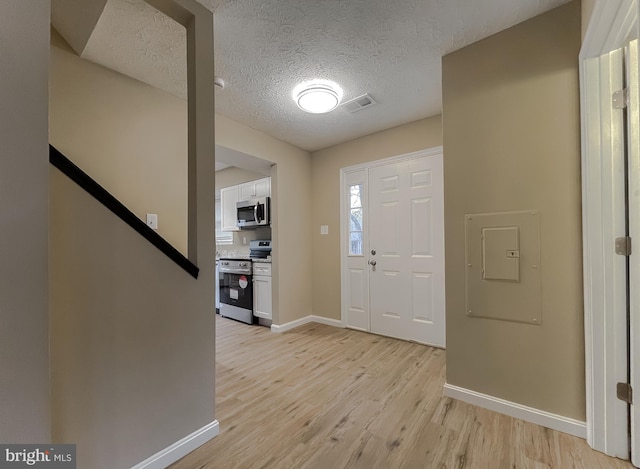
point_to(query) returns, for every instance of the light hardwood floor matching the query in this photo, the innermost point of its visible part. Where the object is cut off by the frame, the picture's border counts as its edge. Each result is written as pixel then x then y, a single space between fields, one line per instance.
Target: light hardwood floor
pixel 327 398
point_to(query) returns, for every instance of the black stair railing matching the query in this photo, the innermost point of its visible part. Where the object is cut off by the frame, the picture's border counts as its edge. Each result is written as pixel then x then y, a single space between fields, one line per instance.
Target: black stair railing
pixel 81 178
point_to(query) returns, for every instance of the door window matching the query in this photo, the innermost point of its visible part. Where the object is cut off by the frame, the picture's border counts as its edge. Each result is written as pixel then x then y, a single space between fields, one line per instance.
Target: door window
pixel 356 215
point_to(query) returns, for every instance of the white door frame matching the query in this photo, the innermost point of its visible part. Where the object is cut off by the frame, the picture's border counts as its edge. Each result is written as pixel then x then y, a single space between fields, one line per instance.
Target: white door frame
pixel 344 221
pixel 613 23
pixel 633 116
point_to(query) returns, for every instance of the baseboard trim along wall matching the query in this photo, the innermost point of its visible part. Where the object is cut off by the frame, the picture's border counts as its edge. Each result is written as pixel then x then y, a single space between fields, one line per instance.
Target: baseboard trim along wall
pixel 180 448
pixel 287 326
pixel 519 411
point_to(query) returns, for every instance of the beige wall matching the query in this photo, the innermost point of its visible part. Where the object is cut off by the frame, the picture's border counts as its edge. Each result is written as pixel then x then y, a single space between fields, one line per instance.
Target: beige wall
pixel 233 176
pixel 512 142
pixel 132 334
pixel 587 10
pixel 24 174
pixel 132 337
pixel 291 225
pixel 76 19
pixel 124 104
pixel 129 137
pixel 325 195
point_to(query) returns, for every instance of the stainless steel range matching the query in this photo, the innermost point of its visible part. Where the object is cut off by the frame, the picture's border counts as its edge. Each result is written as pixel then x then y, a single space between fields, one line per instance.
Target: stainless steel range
pixel 236 289
pixel 260 249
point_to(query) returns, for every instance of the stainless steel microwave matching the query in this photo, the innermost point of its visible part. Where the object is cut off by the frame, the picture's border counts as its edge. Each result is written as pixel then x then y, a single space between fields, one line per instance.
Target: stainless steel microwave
pixel 253 213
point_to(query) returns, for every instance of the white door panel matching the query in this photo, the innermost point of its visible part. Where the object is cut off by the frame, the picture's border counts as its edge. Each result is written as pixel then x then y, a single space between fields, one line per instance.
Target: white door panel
pixel 422 289
pixel 406 220
pixel 422 227
pixel 358 299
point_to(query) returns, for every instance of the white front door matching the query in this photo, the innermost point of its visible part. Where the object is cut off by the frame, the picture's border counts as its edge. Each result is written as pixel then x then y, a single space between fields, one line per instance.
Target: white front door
pixel 393 271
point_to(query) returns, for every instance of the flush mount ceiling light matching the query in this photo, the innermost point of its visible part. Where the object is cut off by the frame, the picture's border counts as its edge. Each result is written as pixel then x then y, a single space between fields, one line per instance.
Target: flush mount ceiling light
pixel 318 96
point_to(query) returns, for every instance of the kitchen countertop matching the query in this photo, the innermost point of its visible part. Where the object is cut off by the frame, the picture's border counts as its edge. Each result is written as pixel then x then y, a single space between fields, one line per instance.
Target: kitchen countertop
pixel 246 258
pixel 261 261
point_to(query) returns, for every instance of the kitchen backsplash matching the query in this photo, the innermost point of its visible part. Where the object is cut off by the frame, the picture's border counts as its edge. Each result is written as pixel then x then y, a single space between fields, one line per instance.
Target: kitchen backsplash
pixel 239 248
pixel 231 253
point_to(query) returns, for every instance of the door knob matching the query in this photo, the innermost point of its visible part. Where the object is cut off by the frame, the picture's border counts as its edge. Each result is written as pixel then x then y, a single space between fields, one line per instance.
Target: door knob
pixel 372 262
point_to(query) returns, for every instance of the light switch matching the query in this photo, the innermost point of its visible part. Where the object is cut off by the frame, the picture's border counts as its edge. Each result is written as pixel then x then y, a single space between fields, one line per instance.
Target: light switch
pixel 501 253
pixel 152 220
pixel 324 229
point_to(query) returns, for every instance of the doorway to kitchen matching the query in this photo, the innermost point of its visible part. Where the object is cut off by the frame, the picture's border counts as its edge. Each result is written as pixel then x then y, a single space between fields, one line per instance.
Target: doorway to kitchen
pixel 392 247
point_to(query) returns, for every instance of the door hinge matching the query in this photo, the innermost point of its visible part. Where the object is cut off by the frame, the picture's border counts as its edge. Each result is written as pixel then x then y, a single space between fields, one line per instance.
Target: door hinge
pixel 620 99
pixel 624 392
pixel 623 245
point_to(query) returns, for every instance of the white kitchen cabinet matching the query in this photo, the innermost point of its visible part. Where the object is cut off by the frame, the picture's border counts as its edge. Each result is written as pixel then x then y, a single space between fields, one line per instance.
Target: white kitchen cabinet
pixel 252 189
pixel 230 196
pixel 228 200
pixel 262 290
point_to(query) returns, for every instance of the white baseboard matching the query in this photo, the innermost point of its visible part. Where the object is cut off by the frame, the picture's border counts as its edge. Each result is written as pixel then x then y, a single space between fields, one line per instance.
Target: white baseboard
pixel 181 448
pixel 290 325
pixel 327 321
pixel 512 409
pixel 305 320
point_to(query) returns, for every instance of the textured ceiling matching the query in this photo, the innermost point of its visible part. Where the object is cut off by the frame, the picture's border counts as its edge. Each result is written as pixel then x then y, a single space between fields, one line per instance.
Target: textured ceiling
pixel 390 49
pixel 137 40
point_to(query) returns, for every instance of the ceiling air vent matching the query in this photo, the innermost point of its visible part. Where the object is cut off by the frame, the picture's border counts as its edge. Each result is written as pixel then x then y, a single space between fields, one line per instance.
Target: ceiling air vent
pixel 359 103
